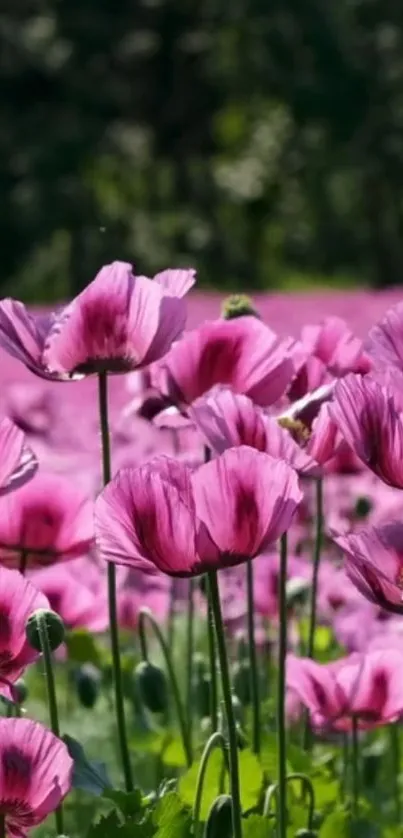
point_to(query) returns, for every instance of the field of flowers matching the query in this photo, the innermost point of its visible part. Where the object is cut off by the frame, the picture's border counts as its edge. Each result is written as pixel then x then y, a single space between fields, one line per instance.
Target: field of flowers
pixel 201 564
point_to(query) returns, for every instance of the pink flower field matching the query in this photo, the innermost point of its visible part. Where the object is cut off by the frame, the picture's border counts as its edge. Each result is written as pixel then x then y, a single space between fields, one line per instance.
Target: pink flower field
pixel 201 563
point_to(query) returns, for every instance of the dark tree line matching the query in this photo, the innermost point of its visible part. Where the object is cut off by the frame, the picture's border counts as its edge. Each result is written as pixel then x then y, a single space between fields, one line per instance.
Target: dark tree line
pixel 254 139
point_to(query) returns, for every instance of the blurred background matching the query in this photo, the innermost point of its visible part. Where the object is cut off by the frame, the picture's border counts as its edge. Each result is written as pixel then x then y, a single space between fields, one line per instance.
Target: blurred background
pixel 260 141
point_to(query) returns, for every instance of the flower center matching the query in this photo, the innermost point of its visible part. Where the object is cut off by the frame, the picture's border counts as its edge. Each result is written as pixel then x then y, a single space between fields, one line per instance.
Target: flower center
pixel 299 432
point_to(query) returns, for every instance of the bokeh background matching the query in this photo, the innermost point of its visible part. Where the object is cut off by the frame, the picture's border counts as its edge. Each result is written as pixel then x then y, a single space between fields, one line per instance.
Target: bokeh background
pixel 261 142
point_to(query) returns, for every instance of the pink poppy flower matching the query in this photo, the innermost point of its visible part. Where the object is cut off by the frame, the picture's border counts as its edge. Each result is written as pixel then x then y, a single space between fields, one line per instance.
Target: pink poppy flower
pixel 226 419
pixel 242 353
pixel 36 775
pixel 334 344
pixel 183 522
pixel 372 425
pixel 118 323
pixel 365 687
pixel 79 606
pixel 18 600
pixel 48 520
pixel 385 340
pixel 374 563
pixel 18 464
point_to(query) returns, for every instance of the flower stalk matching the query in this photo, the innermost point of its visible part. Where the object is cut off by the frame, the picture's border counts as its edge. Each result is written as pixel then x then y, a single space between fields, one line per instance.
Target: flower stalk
pixel 112 599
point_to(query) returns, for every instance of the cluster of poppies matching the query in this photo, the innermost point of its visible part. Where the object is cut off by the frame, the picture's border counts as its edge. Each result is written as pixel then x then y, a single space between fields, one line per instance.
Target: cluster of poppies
pixel 217 444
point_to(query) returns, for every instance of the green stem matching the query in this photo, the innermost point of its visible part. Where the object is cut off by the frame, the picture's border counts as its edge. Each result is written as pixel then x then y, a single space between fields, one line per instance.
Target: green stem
pixel 145 614
pixel 254 674
pixel 344 771
pixel 171 616
pixel 355 768
pixel 211 640
pixel 112 600
pixel 216 741
pixel 395 755
pixel 316 564
pixel 307 788
pixel 189 658
pixel 52 702
pixel 314 592
pixel 281 729
pixel 229 710
pixel 213 662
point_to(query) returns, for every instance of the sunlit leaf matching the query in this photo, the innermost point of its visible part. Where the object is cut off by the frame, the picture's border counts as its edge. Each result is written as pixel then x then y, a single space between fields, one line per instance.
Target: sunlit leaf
pixel 171 817
pixel 130 803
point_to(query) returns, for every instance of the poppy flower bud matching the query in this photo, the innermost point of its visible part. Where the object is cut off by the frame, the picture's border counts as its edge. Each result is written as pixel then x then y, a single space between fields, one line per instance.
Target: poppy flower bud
pixel 219 818
pixel 363 507
pixel 20 691
pixel 87 684
pixel 241 681
pixel 297 591
pixel 152 684
pixel 199 665
pixel 237 305
pixel 203 694
pixel 50 623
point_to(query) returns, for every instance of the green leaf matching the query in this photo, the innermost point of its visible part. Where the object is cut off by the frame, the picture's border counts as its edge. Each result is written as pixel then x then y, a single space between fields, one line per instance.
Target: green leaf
pixel 336 825
pixel 106 826
pixel 129 803
pixel 256 826
pixel 87 776
pixel 250 775
pixel 211 786
pixel 326 788
pixel 110 826
pixel 171 818
pixel 83 648
pixel 174 754
pixel 251 779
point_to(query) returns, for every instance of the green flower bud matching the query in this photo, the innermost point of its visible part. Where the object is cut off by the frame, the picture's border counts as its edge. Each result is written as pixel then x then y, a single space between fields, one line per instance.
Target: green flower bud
pixel 152 684
pixel 199 665
pixel 297 591
pixel 51 623
pixel 241 681
pixel 219 818
pixel 87 680
pixel 306 833
pixel 203 695
pixel 237 305
pixel 363 507
pixel 20 691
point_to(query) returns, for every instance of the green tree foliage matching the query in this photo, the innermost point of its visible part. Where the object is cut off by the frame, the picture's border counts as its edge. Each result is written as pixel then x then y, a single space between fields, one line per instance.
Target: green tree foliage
pixel 252 139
